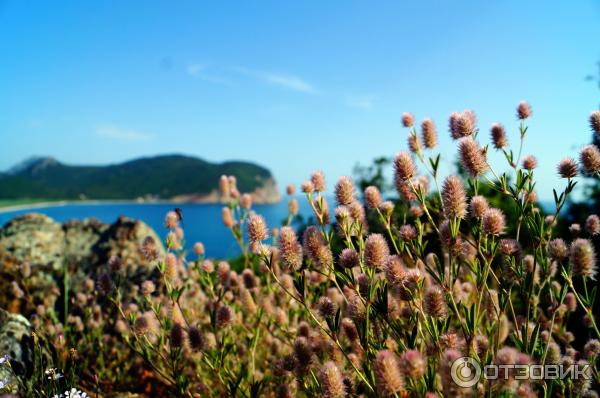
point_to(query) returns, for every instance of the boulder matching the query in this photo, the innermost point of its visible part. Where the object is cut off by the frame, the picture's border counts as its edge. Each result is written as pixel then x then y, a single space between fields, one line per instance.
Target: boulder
pixel 16 342
pixel 35 251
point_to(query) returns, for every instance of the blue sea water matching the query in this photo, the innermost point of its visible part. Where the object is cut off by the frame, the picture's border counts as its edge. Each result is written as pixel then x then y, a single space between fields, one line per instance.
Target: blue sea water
pixel 202 222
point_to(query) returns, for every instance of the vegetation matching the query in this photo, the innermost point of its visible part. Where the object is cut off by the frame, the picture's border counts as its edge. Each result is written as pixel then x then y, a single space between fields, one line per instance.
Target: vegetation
pixel 375 299
pixel 158 177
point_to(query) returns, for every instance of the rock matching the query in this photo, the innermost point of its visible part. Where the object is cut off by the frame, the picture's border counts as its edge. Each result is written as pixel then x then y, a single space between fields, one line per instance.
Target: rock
pixel 34 238
pixel 35 251
pixel 17 343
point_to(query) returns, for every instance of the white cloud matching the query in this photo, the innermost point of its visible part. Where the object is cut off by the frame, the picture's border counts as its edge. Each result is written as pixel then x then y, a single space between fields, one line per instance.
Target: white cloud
pixel 199 71
pixel 195 69
pixel 121 134
pixel 365 102
pixel 286 81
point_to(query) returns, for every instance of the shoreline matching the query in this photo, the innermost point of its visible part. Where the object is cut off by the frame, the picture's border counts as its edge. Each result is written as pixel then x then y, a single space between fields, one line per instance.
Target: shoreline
pixel 61 203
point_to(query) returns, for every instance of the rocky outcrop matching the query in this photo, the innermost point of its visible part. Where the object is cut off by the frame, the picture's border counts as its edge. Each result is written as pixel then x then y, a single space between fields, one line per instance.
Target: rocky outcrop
pixel 16 342
pixel 35 252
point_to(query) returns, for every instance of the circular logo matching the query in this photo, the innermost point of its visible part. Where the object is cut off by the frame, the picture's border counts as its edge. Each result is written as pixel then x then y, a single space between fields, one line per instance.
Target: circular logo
pixel 465 372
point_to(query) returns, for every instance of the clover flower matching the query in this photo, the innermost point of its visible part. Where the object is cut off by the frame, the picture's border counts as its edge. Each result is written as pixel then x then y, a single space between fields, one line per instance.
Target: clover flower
pixel 428 133
pixel 498 135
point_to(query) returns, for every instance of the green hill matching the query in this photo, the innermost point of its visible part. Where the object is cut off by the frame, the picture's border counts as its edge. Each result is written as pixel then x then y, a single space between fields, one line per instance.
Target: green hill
pixel 161 177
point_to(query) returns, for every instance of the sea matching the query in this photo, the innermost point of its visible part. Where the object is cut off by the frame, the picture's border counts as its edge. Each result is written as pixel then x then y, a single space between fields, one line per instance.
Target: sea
pixel 201 222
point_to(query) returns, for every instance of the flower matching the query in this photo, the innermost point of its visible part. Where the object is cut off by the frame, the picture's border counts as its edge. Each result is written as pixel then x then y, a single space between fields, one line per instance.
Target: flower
pixel 498 136
pixel 290 249
pixel 462 124
pixel 454 197
pixel 435 302
pixel 404 167
pixel 479 205
pixel 3 359
pixel 387 373
pixel 589 159
pixel 331 381
pixel 376 250
pixel 595 121
pixel 344 191
pixel 257 228
pixel 523 110
pixel 529 162
pixel 583 258
pixel 567 168
pixel 372 197
pixel 72 393
pixel 428 133
pixel 493 221
pixel 408 120
pixel 53 374
pixel 318 181
pixel 472 157
pixel 150 248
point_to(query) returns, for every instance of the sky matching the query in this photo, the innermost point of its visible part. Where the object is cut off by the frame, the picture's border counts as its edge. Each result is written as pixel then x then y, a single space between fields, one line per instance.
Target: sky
pixel 293 86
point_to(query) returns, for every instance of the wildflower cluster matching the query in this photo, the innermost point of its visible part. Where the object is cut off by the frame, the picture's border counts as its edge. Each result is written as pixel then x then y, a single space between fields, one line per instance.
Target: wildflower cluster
pixel 340 311
pixel 375 297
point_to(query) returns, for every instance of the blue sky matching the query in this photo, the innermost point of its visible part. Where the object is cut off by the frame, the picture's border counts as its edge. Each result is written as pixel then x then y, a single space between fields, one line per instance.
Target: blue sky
pixel 294 86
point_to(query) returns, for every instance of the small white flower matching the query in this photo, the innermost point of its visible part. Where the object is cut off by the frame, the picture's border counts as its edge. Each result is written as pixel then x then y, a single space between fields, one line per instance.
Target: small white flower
pixel 53 374
pixel 3 384
pixel 74 393
pixel 3 359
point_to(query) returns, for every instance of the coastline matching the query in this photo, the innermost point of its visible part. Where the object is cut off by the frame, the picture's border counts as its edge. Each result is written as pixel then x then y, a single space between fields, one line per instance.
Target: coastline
pixel 60 203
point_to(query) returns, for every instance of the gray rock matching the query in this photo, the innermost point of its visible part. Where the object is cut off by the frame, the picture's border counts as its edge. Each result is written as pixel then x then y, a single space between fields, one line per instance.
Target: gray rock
pixel 81 247
pixel 17 343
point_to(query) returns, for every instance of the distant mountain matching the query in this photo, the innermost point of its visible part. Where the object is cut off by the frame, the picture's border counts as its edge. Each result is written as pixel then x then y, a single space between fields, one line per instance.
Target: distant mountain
pixel 174 177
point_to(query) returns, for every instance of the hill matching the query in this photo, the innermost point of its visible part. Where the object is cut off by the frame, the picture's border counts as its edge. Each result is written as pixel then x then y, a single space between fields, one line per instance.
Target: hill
pixel 168 177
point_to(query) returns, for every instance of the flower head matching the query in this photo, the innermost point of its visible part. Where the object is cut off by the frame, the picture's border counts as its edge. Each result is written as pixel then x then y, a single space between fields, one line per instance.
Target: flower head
pixel 387 373
pixel 53 374
pixel 472 157
pixel 595 121
pixel 479 205
pixel 462 124
pixel 428 133
pixel 529 162
pixel 408 120
pixel 435 302
pixel 592 224
pixel 493 221
pixel 372 197
pixel 376 250
pixel 150 248
pixel 349 258
pixel 523 110
pixel 344 191
pixel 318 181
pixel 404 167
pixel 583 258
pixel 567 168
pixel 498 136
pixel 257 228
pixel 589 159
pixel 413 143
pixel 557 248
pixel 332 383
pixel 454 197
